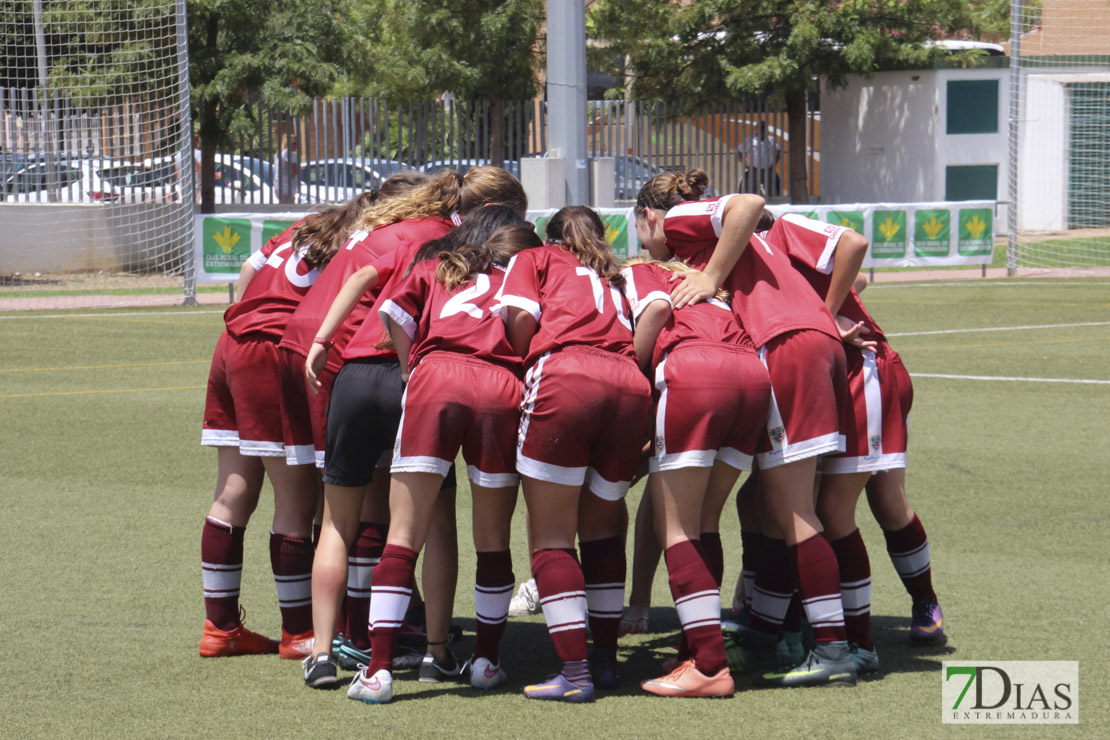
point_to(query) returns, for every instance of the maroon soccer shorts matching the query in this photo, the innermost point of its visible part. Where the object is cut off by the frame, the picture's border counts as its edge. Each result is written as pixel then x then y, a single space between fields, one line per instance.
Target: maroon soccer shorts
pixel 877 432
pixel 453 401
pixel 304 418
pixel 809 398
pixel 242 408
pixel 713 401
pixel 583 420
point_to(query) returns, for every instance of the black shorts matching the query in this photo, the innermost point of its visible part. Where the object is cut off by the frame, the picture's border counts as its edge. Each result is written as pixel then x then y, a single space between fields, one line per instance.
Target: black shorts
pixel 363 415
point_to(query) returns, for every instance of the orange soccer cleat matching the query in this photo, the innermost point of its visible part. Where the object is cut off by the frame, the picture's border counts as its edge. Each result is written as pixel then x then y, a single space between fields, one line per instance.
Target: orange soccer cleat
pixel 215 643
pixel 687 680
pixel 295 647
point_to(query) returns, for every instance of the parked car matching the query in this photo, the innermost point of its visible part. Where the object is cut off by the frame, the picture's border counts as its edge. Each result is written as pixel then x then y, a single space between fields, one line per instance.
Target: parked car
pixel 235 182
pixel 337 180
pixel 462 166
pixel 76 181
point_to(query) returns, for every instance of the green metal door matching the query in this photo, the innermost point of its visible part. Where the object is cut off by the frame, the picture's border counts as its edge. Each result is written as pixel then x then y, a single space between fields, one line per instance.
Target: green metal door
pixel 1089 156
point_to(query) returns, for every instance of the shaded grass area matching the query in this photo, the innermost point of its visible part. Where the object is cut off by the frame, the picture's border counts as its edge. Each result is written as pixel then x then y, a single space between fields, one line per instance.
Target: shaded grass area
pixel 104 488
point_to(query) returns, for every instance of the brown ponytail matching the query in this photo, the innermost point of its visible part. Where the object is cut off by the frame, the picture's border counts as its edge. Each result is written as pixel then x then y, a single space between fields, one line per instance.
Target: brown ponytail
pixel 581 230
pixel 457 267
pixel 435 197
pixel 483 186
pixel 668 189
pixel 323 234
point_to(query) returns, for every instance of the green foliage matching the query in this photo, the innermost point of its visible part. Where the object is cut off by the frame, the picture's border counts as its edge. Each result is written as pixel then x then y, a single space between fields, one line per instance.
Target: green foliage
pixel 697 53
pixel 282 51
pixel 416 48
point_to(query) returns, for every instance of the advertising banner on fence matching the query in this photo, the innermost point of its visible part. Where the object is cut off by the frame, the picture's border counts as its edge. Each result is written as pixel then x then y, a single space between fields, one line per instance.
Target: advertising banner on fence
pixel 900 234
pixel 224 240
pixel 914 234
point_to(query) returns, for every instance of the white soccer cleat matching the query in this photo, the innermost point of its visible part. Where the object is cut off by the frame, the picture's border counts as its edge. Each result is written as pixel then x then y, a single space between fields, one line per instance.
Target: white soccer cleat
pixel 527 600
pixel 486 675
pixel 376 689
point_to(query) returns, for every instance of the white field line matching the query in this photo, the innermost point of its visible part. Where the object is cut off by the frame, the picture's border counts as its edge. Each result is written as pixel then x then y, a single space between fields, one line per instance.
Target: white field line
pixel 978 283
pixel 97 315
pixel 1005 378
pixel 996 328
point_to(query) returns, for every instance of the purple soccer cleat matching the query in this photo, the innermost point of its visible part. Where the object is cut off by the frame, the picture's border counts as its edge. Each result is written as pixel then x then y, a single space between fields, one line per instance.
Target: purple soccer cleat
pixel 927 622
pixel 560 688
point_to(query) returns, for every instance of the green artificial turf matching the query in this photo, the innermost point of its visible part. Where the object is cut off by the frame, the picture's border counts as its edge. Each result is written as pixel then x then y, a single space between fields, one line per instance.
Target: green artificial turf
pixel 103 490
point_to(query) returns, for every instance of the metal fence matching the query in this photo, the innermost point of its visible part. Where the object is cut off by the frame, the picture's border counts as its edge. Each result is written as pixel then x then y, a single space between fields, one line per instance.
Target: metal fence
pixel 347 144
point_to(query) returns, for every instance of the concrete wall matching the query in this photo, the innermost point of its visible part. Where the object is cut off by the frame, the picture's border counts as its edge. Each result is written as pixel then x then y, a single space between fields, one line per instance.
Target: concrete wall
pixel 1043 156
pixel 81 238
pixel 883 139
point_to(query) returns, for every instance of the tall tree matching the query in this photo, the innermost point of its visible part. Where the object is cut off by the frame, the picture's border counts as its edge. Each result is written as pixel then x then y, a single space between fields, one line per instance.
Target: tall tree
pixel 282 52
pixel 695 53
pixel 475 49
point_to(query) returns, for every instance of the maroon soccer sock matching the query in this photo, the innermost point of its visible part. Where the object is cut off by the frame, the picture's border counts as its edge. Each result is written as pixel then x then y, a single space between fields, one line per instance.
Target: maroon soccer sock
pixel 750 543
pixel 855 587
pixel 773 586
pixel 909 551
pixel 221 556
pixel 364 556
pixel 819 586
pixel 493 590
pixel 389 600
pixel 291 560
pixel 604 569
pixel 562 590
pixel 792 620
pixel 698 602
pixel 714 553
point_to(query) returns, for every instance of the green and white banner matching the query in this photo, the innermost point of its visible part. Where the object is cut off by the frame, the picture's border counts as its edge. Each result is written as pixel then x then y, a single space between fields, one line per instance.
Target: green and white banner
pixel 914 234
pixel 223 241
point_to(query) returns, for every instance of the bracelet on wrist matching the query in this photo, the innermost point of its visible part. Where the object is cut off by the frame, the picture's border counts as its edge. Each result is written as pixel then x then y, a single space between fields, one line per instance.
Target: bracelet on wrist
pixel 325 343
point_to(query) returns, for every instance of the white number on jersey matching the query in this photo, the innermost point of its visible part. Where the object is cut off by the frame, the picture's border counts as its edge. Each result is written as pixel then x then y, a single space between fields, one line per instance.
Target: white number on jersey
pixel 458 302
pixel 283 254
pixel 599 294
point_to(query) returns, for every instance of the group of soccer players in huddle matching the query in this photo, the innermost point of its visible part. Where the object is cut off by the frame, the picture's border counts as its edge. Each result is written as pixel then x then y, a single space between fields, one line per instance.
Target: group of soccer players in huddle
pixel 377 339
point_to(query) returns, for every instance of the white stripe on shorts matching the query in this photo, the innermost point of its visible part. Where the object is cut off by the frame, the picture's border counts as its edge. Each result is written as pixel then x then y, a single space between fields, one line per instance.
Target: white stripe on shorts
pixel 260 448
pixel 299 454
pixel 419 464
pixel 688 459
pixel 491 480
pixel 219 438
pixel 606 489
pixel 659 444
pixel 873 401
pixel 528 404
pixel 735 458
pixel 550 473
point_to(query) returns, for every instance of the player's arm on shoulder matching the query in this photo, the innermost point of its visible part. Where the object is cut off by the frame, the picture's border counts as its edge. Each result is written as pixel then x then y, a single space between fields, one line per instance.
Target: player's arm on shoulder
pixel 648 325
pixel 738 221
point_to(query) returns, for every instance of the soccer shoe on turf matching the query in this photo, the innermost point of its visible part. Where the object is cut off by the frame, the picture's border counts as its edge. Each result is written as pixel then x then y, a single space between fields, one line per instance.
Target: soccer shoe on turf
pixel 603 669
pixel 215 643
pixel 295 647
pixel 559 688
pixel 927 622
pixel 867 661
pixel 347 655
pixel 752 651
pixel 484 674
pixel 376 689
pixel 320 672
pixel 828 664
pixel 434 671
pixel 527 600
pixel 687 680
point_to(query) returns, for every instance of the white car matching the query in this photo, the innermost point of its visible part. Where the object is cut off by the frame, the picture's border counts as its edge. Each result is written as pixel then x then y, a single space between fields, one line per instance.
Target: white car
pixel 337 180
pixel 235 182
pixel 462 166
pixel 74 180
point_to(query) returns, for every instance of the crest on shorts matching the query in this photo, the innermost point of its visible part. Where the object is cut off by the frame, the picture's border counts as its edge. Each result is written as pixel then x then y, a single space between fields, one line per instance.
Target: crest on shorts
pixel 778 434
pixel 876 442
pixel 659 444
pixel 397 449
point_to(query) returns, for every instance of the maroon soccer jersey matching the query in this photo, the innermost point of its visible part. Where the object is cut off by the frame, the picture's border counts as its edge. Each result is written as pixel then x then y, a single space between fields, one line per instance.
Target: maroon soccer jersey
pixel 571 303
pixel 462 321
pixel 769 295
pixel 273 294
pixel 710 321
pixel 361 249
pixel 391 270
pixel 811 245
